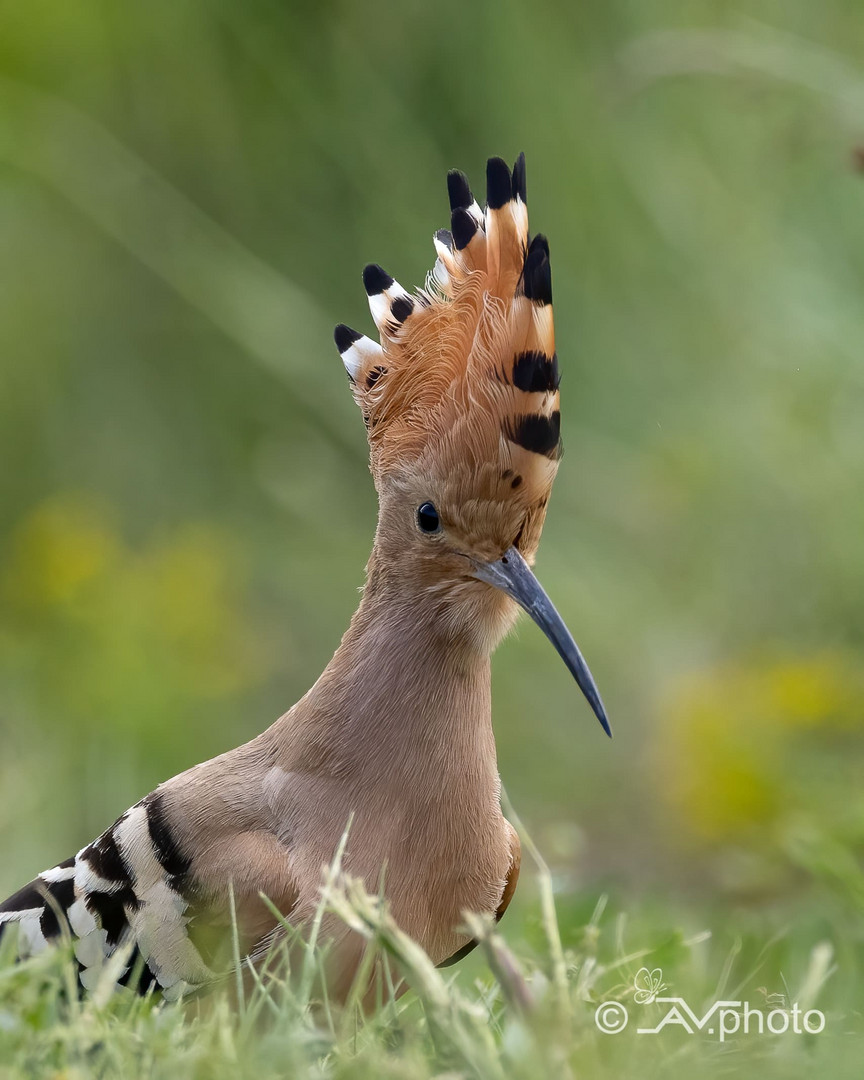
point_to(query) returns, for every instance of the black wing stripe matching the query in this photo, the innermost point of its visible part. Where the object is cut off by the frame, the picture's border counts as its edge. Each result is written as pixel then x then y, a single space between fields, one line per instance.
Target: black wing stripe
pixel 110 910
pixel 31 896
pixel 63 895
pixel 105 859
pixel 171 858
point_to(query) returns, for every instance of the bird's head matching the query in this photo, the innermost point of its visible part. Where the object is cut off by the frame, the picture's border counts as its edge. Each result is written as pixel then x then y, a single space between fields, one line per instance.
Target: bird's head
pixel 460 399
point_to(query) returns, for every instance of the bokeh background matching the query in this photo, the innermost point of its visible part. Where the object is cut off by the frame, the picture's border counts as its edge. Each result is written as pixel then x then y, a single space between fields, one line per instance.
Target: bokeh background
pixel 188 193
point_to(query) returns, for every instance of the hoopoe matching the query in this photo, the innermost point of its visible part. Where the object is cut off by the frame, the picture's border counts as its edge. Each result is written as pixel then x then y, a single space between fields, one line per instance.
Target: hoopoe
pixel 460 399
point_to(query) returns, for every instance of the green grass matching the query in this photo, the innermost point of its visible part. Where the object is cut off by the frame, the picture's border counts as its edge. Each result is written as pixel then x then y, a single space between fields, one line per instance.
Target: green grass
pixel 526 1012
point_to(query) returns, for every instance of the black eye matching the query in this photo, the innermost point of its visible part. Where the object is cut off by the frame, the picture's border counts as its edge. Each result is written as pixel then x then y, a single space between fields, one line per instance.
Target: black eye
pixel 427 518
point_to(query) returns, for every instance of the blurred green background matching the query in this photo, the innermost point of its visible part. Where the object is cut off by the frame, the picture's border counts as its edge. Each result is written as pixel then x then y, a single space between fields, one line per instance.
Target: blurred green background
pixel 188 193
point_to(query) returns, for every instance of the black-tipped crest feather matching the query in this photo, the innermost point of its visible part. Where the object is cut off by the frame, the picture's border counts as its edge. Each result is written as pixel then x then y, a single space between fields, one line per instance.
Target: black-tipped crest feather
pixel 345 337
pixel 458 190
pixel 375 279
pixel 498 187
pixel 537 274
pixel 518 181
pixel 463 227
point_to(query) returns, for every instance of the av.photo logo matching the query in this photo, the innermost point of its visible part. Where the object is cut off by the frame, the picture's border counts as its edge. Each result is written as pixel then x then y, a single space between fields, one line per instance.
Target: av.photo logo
pixel 721 1018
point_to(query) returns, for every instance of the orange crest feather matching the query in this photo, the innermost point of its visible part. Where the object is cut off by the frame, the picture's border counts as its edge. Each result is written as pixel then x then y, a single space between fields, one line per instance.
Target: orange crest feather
pixel 466 372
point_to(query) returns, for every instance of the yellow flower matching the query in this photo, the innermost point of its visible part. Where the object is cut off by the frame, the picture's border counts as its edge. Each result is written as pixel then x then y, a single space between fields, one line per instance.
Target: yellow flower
pixel 742 747
pixel 62 545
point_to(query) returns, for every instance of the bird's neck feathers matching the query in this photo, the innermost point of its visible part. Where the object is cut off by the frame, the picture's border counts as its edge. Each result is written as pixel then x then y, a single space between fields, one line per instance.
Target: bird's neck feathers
pixel 433 605
pixel 409 688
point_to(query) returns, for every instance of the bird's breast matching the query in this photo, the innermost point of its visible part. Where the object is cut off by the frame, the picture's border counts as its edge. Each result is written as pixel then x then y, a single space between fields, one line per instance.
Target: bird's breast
pixel 437 847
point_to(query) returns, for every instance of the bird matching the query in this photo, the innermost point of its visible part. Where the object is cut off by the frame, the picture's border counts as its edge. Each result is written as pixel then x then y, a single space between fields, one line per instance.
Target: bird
pixel 394 741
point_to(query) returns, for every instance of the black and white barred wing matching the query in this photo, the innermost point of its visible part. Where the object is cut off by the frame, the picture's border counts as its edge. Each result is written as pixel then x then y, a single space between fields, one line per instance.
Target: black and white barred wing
pixel 129 889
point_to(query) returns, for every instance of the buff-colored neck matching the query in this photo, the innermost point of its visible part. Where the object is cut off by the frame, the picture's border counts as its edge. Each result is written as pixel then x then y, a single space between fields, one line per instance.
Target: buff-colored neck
pixel 405 695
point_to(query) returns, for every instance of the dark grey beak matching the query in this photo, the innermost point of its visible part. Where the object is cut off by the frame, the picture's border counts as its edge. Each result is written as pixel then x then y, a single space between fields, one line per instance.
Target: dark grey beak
pixel 513 576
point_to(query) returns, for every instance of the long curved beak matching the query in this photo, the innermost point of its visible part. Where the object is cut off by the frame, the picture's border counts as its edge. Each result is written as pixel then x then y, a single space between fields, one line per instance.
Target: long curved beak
pixel 513 576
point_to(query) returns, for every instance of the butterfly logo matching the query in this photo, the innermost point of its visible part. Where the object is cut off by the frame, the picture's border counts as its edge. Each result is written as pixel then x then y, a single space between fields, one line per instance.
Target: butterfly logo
pixel 648 984
pixel 775 1001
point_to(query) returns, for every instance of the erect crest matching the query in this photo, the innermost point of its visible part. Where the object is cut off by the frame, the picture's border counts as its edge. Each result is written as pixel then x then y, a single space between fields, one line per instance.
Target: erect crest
pixel 465 373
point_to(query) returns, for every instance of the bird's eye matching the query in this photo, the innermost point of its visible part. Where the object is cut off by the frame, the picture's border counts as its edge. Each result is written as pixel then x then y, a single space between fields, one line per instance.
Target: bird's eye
pixel 427 518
